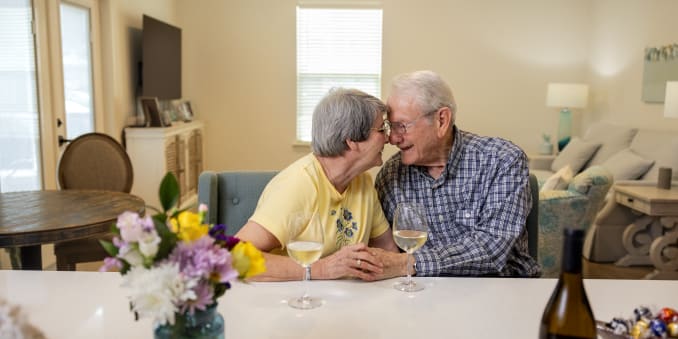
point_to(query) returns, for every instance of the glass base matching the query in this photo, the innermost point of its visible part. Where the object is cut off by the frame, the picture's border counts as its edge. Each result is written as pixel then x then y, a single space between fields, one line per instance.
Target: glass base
pixel 406 286
pixel 305 303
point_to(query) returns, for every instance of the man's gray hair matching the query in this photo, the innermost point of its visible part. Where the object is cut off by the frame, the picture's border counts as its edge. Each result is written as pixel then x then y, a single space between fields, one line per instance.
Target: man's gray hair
pixel 343 114
pixel 428 89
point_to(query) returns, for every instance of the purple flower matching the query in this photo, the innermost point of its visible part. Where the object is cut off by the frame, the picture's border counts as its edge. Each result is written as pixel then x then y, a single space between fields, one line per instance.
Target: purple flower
pixel 218 232
pixel 204 294
pixel 110 263
pixel 203 259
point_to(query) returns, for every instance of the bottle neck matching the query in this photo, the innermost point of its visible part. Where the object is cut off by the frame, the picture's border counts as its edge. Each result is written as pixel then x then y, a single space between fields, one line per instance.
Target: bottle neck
pixel 572 251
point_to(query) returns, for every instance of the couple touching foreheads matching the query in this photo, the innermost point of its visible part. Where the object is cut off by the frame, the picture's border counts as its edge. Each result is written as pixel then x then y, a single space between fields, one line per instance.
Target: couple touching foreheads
pixel 475 190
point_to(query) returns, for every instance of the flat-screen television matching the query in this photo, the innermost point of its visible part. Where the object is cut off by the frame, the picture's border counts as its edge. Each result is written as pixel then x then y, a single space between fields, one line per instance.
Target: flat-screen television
pixel 161 59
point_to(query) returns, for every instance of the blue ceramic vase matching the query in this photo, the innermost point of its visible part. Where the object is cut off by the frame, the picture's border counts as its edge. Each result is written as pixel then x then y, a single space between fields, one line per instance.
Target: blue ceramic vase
pixel 207 324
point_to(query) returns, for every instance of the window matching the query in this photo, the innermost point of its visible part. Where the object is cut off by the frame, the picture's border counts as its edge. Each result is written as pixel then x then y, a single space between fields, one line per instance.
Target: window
pixel 336 47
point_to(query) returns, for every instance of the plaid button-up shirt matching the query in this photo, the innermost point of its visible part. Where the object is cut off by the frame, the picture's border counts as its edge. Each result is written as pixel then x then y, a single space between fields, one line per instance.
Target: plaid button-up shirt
pixel 476 209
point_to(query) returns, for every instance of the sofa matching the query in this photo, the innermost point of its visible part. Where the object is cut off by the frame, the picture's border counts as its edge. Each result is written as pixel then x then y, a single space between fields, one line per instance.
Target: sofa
pixel 629 153
pixel 633 157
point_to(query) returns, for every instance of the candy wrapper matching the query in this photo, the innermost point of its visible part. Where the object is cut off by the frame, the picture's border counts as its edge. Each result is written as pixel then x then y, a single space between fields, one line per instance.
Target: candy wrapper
pixel 642 325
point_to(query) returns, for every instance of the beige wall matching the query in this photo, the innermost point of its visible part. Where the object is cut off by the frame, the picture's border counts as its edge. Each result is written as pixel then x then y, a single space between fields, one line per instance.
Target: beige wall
pixel 239 65
pixel 619 37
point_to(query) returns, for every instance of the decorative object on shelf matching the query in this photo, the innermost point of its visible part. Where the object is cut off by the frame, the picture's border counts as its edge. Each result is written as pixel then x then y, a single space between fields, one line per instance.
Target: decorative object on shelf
pixel 664 181
pixel 185 110
pixel 546 147
pixel 176 267
pixel 14 323
pixel 566 96
pixel 661 65
pixel 151 110
pixel 671 99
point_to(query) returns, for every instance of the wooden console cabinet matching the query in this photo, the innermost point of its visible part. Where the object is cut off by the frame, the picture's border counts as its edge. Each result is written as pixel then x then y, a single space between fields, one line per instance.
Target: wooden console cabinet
pixel 155 151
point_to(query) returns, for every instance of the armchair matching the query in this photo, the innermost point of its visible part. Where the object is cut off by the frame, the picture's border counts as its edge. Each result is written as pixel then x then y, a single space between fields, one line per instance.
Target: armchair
pixel 575 207
pixel 231 196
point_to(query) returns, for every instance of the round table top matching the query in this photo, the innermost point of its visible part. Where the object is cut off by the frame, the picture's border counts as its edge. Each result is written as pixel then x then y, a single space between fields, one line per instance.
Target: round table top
pixel 40 217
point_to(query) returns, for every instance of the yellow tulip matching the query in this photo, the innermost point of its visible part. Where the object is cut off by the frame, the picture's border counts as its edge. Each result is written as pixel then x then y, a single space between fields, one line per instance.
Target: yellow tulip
pixel 188 226
pixel 247 260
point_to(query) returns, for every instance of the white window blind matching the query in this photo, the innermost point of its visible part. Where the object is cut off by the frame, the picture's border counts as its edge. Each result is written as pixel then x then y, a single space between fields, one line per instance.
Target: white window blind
pixel 336 47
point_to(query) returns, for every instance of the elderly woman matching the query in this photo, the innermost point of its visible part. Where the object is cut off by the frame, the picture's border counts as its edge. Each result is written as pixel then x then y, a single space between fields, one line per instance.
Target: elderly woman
pixel 349 133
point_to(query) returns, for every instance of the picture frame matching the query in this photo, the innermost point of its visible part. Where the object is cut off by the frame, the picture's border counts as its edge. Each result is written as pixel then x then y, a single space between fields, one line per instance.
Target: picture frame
pixel 151 111
pixel 185 110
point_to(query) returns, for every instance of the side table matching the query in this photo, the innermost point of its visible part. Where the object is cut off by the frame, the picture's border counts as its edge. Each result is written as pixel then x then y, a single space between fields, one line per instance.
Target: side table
pixel 652 239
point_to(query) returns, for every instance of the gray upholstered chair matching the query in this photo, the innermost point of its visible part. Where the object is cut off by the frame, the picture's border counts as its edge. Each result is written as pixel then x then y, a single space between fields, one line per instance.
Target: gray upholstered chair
pixel 231 196
pixel 92 161
pixel 532 222
pixel 575 207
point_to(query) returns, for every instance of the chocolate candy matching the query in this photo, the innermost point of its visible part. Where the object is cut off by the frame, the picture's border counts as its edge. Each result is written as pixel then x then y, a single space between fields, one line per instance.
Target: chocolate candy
pixel 667 315
pixel 658 328
pixel 642 312
pixel 672 329
pixel 619 326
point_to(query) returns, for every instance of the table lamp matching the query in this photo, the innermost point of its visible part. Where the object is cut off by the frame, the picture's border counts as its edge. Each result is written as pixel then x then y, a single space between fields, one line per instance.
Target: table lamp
pixel 671 100
pixel 566 96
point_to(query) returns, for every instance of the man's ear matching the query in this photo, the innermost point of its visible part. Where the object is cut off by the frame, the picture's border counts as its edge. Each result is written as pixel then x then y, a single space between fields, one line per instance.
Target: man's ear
pixel 443 121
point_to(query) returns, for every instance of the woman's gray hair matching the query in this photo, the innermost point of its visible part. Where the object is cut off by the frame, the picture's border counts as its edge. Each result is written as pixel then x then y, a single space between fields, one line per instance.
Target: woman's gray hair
pixel 428 89
pixel 343 114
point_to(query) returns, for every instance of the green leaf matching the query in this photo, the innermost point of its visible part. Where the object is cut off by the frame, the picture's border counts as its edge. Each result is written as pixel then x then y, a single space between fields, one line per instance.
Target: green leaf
pixel 168 239
pixel 109 247
pixel 169 191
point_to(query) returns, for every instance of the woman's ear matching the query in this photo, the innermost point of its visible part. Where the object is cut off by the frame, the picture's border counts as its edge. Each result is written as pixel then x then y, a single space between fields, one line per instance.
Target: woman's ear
pixel 352 145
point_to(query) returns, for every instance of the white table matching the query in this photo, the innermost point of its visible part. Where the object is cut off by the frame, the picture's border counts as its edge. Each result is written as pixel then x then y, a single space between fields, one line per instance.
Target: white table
pixel 92 305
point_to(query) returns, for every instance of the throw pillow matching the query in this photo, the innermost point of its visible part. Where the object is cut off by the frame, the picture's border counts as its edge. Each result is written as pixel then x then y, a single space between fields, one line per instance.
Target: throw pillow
pixel 612 139
pixel 627 165
pixel 575 154
pixel 559 181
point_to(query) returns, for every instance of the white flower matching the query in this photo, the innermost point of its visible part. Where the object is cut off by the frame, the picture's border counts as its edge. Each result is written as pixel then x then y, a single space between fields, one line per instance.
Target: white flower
pixel 131 254
pixel 130 226
pixel 148 243
pixel 155 292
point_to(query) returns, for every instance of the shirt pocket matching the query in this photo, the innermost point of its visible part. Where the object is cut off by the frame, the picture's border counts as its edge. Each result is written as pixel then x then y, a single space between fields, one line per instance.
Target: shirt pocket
pixel 465 217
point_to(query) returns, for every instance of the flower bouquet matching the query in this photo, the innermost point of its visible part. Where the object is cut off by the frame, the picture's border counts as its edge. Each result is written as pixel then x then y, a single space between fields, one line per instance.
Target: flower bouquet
pixel 175 266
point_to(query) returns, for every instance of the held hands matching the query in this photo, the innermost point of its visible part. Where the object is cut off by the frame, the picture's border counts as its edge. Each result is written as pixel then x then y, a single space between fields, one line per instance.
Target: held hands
pixel 393 264
pixel 352 261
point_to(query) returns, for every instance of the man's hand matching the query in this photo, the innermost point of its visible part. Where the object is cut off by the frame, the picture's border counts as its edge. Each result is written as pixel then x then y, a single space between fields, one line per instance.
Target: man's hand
pixel 394 264
pixel 352 261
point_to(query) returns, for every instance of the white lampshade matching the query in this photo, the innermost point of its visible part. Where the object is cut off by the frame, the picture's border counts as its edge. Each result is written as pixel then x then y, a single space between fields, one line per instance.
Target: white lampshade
pixel 567 95
pixel 671 100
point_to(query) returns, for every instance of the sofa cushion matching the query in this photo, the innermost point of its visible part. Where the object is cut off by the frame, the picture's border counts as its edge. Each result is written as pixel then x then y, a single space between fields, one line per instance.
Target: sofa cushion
pixel 627 165
pixel 575 154
pixel 560 180
pixel 660 146
pixel 612 139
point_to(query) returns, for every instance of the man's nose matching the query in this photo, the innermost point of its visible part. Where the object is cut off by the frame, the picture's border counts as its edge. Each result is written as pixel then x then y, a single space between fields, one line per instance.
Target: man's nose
pixel 394 138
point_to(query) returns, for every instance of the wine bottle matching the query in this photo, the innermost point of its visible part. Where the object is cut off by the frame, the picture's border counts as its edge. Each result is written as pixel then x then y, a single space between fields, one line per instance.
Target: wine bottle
pixel 568 313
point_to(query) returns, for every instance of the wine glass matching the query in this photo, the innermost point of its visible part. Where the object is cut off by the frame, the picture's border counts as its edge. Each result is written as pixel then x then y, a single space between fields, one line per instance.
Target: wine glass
pixel 410 231
pixel 305 246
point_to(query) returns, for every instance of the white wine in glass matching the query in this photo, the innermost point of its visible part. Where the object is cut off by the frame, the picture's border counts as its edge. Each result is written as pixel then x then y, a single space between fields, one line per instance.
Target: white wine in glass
pixel 305 246
pixel 410 231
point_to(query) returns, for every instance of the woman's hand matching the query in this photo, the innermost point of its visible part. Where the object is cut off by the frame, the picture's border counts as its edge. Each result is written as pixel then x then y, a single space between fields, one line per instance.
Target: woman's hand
pixel 352 261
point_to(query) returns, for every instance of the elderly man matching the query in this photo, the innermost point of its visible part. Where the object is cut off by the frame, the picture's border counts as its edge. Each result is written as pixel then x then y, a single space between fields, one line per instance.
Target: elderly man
pixel 475 189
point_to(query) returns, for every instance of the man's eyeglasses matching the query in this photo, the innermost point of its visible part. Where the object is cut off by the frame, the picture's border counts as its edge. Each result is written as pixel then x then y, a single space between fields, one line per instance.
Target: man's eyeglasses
pixel 400 128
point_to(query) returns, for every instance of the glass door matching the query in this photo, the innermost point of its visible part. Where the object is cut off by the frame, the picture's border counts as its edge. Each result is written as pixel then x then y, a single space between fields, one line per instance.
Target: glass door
pixel 20 159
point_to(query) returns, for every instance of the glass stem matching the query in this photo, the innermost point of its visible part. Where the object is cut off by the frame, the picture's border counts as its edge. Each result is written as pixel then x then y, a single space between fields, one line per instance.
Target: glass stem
pixel 409 275
pixel 307 277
